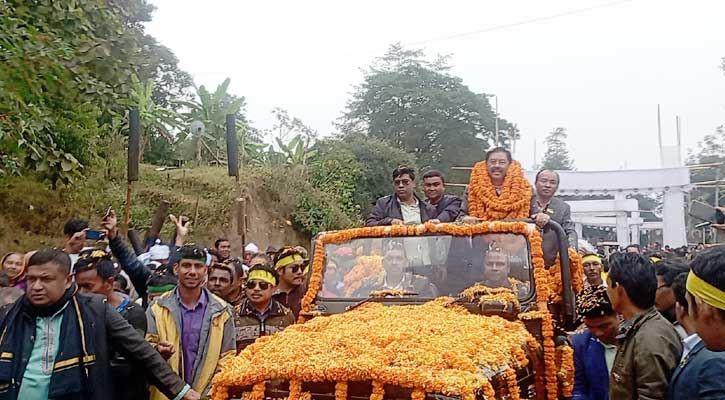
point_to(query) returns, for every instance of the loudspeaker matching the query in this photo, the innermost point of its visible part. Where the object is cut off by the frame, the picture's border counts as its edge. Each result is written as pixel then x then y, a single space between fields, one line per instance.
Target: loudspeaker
pixel 232 146
pixel 134 142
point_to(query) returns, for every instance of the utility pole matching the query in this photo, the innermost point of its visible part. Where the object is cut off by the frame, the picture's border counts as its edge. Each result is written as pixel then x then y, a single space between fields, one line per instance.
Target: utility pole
pixel 659 136
pixel 496 111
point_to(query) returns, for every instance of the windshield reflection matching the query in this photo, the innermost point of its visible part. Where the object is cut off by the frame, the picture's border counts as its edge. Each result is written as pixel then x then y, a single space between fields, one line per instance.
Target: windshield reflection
pixel 430 266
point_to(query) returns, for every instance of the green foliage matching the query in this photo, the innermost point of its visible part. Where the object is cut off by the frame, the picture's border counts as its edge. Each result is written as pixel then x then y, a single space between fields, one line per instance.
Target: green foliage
pixel 711 149
pixel 419 107
pixel 557 155
pixel 64 66
pixel 362 162
pixel 211 109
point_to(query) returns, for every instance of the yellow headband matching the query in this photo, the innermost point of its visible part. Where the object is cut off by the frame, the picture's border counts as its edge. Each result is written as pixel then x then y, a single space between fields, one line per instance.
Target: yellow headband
pixel 655 259
pixel 262 275
pixel 288 260
pixel 708 293
pixel 591 257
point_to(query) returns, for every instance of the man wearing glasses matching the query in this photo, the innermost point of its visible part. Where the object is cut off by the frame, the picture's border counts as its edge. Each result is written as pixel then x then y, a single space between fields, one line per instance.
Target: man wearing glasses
pixel 404 207
pixel 290 264
pixel 259 314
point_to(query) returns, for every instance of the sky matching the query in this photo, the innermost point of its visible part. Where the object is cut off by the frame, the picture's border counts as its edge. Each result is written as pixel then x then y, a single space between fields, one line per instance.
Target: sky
pixel 597 68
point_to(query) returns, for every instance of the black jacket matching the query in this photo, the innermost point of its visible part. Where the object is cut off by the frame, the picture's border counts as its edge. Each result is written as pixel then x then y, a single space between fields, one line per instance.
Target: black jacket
pixel 136 271
pixel 129 378
pixel 447 209
pixel 388 208
pixel 109 332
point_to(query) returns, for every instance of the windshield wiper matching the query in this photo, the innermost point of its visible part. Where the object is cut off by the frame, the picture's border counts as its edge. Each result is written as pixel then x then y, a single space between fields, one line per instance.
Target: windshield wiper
pixel 370 298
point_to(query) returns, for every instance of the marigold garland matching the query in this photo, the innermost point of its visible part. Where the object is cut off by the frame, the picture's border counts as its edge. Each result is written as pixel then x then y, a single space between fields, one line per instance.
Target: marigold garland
pixel 367 266
pixel 512 384
pixel 566 369
pixel 417 394
pixel 513 202
pixel 577 276
pixel 295 389
pixel 438 347
pixel 254 364
pixel 378 392
pixel 341 390
pixel 485 294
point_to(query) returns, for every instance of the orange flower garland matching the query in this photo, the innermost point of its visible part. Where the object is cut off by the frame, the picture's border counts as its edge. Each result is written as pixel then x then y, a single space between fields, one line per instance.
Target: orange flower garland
pixel 513 202
pixel 367 266
pixel 417 394
pixel 378 391
pixel 512 383
pixel 341 391
pixel 295 389
pixel 259 362
pixel 577 276
pixel 566 370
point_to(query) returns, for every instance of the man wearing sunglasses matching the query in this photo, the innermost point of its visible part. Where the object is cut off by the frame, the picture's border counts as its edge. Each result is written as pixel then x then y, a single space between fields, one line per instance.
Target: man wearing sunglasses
pixel 290 264
pixel 259 314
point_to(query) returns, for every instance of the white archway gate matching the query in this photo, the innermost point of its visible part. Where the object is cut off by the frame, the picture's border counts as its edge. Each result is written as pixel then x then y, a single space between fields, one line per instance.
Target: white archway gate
pixel 673 183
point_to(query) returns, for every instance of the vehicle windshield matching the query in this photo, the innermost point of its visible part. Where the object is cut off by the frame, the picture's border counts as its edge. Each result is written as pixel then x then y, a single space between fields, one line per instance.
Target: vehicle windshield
pixel 430 266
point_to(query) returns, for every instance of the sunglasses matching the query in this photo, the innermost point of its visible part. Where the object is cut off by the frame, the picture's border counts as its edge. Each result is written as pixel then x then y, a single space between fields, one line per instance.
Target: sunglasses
pixel 296 268
pixel 253 284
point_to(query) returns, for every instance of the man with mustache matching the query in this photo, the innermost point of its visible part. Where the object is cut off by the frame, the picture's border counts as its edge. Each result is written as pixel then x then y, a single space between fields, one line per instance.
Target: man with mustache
pixel 404 207
pixel 498 161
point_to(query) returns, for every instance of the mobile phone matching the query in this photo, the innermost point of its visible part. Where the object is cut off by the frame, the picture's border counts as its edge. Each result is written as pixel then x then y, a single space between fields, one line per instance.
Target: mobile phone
pixel 706 212
pixel 95 235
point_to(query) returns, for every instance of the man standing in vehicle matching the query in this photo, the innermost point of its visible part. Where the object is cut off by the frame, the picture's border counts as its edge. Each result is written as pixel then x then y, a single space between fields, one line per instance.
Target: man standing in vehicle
pixel 551 208
pixel 498 162
pixel 446 206
pixel 403 207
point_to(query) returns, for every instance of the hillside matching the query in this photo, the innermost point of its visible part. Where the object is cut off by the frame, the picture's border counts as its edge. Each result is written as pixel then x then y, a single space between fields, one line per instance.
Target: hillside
pixel 32 214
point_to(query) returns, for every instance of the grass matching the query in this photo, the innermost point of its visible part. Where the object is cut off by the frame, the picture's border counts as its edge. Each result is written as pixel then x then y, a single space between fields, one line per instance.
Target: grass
pixel 32 215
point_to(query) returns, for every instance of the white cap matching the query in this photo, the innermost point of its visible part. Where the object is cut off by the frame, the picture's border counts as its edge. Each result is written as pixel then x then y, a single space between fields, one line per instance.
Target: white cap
pixel 159 251
pixel 251 248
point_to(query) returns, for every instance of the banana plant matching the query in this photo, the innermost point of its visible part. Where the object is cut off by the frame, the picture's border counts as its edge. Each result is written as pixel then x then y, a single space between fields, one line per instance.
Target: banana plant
pixel 155 120
pixel 297 151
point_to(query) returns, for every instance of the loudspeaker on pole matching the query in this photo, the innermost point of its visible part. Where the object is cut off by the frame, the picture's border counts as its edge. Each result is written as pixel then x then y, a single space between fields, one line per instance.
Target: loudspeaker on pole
pixel 232 146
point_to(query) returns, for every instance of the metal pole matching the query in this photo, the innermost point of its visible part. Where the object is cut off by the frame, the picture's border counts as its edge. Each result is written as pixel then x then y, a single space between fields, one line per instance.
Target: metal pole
pixel 678 123
pixel 127 211
pixel 659 135
pixel 496 120
pixel 717 187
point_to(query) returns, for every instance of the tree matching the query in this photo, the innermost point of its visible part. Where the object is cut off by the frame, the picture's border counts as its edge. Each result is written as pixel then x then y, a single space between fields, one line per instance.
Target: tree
pixel 64 66
pixel 211 108
pixel 374 163
pixel 419 107
pixel 557 155
pixel 157 122
pixel 710 150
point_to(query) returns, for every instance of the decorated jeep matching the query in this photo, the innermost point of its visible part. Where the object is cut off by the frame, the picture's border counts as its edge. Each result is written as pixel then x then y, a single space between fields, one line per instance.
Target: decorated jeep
pixel 435 311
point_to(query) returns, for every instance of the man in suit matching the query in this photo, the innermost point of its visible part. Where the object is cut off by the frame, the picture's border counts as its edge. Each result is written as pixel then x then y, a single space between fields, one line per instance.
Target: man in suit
pixel 447 207
pixel 549 208
pixel 595 348
pixel 699 374
pixel 404 207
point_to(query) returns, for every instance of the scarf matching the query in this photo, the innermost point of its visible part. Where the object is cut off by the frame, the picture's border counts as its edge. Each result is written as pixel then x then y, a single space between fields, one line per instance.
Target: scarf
pixel 75 351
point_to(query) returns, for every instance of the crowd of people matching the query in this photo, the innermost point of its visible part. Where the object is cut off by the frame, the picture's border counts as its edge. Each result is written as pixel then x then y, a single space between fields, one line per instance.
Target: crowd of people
pixel 103 322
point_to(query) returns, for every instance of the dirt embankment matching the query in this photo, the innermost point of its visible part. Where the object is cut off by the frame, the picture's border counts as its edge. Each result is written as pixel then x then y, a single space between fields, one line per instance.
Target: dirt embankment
pixel 32 215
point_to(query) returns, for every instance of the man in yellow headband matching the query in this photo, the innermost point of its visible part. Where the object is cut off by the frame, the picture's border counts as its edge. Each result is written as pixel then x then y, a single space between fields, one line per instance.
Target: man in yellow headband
pixel 706 296
pixel 699 308
pixel 259 314
pixel 592 265
pixel 291 263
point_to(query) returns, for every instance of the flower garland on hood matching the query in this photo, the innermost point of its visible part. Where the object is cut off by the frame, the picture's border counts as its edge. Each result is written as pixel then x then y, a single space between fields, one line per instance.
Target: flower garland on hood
pixel 395 345
pixel 513 202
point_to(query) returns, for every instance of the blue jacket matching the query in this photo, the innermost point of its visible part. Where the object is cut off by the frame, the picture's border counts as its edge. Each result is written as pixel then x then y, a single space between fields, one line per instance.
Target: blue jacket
pixel 591 377
pixel 699 376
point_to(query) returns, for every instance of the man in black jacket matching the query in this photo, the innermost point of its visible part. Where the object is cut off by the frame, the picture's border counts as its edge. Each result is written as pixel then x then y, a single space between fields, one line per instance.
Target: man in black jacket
pixel 56 343
pixel 404 207
pixel 446 206
pixel 95 272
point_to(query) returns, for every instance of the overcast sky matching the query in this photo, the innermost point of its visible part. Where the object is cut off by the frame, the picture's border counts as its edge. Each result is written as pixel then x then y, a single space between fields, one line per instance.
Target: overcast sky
pixel 600 73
